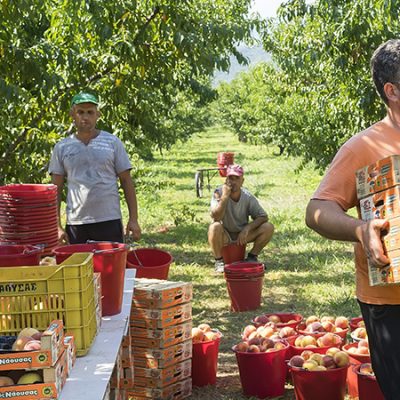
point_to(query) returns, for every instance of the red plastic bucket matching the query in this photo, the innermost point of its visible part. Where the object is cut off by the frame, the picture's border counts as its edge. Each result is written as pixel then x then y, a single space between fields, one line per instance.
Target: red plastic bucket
pixel 205 363
pixel 233 252
pixel 317 385
pixel 109 259
pixel 149 263
pixel 355 359
pixel 223 160
pixel 17 255
pixel 368 388
pixel 262 374
pixel 245 293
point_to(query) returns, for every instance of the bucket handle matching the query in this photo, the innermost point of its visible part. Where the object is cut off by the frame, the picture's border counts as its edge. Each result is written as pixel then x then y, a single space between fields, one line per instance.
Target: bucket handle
pixel 105 250
pixel 36 248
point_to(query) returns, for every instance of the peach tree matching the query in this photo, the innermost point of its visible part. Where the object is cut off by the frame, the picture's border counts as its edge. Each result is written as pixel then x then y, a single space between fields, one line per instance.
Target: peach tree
pixel 150 62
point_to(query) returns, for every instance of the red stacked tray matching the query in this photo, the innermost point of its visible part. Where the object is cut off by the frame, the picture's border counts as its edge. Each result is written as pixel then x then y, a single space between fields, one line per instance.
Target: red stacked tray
pixel 28 215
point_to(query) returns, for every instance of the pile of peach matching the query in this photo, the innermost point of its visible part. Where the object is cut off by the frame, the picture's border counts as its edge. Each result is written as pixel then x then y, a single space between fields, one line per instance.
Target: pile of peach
pixel 328 339
pixel 276 319
pixel 310 361
pixel 314 324
pixel 265 338
pixel 204 333
pixel 362 348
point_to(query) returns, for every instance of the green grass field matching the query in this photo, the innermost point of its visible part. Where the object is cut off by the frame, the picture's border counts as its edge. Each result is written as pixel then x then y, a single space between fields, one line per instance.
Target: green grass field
pixel 305 273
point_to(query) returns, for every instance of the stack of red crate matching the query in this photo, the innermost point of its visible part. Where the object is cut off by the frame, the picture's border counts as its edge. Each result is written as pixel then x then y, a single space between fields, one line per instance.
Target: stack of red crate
pixel 160 327
pixel 378 189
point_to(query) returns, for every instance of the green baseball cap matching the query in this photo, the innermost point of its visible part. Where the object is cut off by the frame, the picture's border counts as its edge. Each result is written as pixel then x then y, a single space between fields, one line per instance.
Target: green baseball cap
pixel 84 98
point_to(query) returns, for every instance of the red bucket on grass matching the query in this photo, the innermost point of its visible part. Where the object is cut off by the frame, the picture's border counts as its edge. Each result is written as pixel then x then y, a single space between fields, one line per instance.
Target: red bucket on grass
pixel 205 363
pixel 355 359
pixel 17 255
pixel 149 263
pixel 317 385
pixel 109 258
pixel 233 252
pixel 244 283
pixel 368 388
pixel 262 374
pixel 223 160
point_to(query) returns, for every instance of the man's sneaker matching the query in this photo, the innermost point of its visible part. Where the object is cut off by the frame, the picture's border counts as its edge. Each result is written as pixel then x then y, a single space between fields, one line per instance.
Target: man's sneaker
pixel 219 266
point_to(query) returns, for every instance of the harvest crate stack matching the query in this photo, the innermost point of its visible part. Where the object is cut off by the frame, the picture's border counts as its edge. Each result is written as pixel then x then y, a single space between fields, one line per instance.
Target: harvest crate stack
pixel 160 330
pixel 378 189
pixel 39 373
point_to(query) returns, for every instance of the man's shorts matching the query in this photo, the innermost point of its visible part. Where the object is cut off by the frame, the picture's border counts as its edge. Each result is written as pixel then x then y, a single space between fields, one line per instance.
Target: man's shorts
pixel 106 231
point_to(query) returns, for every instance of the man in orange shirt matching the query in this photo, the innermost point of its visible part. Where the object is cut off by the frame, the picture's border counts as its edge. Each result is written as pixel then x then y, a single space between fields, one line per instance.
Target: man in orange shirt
pixel 327 215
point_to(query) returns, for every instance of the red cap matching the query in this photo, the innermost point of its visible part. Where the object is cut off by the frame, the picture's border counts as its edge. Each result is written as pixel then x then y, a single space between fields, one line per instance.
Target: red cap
pixel 234 170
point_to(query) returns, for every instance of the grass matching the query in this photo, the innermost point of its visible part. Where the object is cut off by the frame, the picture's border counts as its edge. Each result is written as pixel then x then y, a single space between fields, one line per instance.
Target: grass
pixel 305 272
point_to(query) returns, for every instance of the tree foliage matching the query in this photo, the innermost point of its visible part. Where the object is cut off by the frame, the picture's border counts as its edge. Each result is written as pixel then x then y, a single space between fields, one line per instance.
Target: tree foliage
pixel 150 61
pixel 320 74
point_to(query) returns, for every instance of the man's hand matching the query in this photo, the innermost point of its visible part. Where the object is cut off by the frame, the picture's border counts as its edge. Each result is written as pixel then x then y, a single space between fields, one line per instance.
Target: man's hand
pixel 133 226
pixel 242 237
pixel 62 236
pixel 371 239
pixel 226 189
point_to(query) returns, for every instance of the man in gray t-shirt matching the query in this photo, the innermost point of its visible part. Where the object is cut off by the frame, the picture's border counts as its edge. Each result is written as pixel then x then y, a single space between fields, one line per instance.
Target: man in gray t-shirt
pixel 92 161
pixel 231 208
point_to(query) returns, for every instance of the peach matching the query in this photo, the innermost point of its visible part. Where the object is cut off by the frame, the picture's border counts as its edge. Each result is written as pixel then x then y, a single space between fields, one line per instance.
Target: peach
pixel 329 340
pixel 328 318
pixel 197 335
pixel 361 324
pixel 287 331
pixel 328 362
pixel 253 335
pixel 310 365
pixel 332 350
pixel 210 335
pixel 317 358
pixel 28 332
pixel 366 369
pixel 253 349
pixel 308 340
pixel 311 319
pixel 254 340
pixel 360 333
pixel 6 381
pixel 33 345
pixel 275 318
pixel 341 358
pixel 261 319
pixel 268 331
pixel 297 341
pixel 241 346
pixel 362 350
pixel 291 321
pixel 306 354
pixel 19 344
pixel 314 327
pixel 342 322
pixel 205 327
pixel 296 361
pixel 279 345
pixel 320 368
pixel 247 330
pixel 327 326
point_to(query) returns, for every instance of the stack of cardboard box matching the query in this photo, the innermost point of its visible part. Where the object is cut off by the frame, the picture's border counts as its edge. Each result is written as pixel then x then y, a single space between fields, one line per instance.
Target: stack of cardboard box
pixel 38 374
pixel 161 328
pixel 378 189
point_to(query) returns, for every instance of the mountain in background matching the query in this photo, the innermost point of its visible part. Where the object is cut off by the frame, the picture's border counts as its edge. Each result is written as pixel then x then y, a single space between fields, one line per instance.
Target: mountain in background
pixel 254 54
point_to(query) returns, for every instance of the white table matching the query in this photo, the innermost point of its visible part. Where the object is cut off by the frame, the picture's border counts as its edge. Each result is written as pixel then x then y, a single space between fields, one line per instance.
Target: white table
pixel 91 374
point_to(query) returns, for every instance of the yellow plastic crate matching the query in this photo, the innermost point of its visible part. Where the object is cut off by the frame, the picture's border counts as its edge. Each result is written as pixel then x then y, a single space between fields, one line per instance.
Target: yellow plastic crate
pixel 36 295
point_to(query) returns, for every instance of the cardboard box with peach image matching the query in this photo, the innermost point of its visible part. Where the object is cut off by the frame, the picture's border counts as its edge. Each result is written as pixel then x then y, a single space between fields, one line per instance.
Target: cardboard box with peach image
pixel 385 204
pixel 378 176
pixel 38 384
pixel 387 275
pixel 34 349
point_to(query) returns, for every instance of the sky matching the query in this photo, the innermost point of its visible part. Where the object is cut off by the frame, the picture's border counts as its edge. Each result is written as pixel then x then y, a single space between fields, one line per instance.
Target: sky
pixel 266 8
